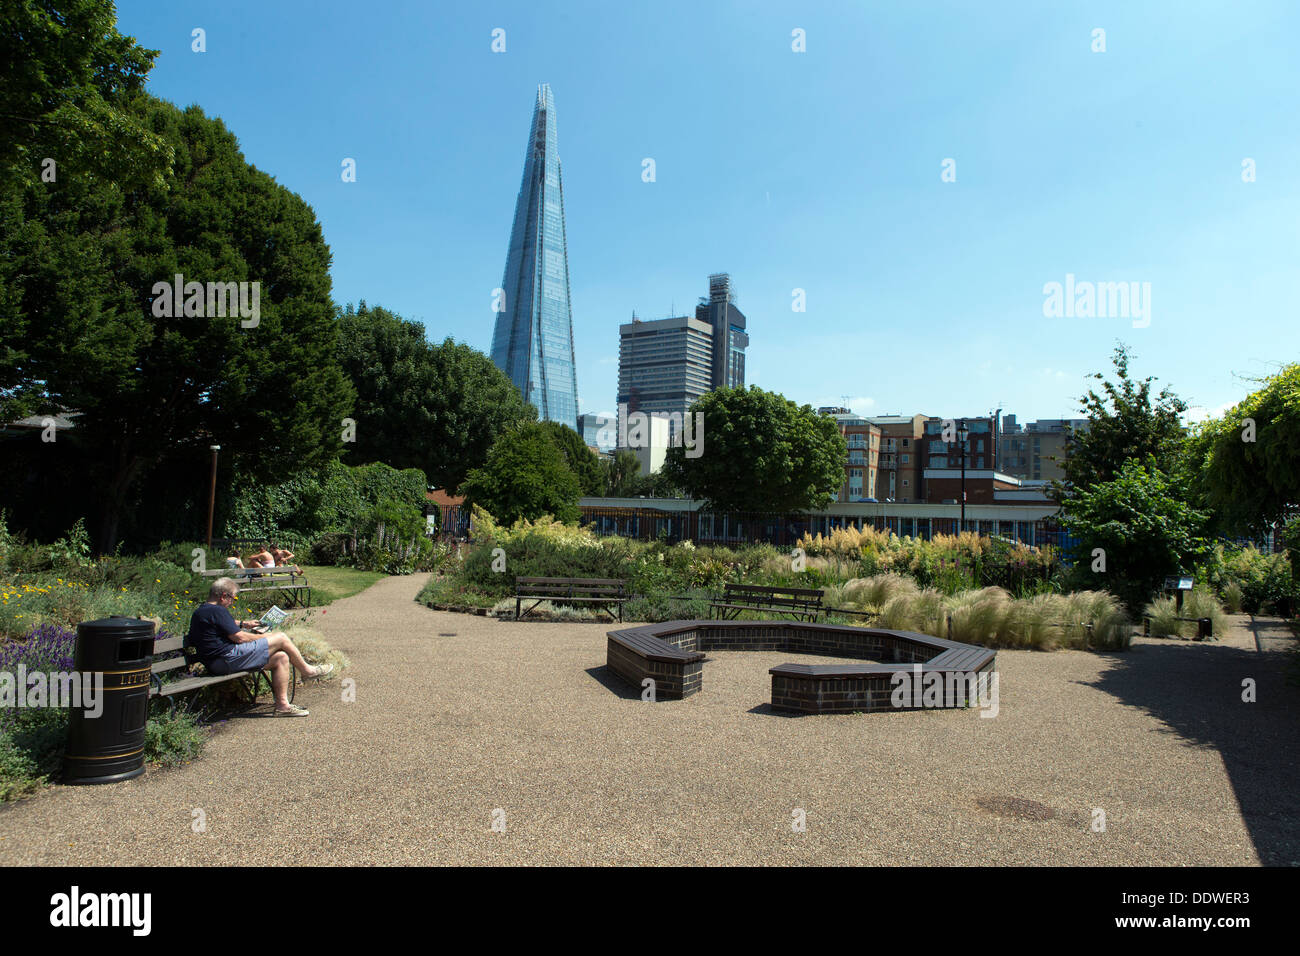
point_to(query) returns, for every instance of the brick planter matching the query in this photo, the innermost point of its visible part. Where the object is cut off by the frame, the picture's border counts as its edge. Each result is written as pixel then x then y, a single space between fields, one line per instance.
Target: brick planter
pixel 672 655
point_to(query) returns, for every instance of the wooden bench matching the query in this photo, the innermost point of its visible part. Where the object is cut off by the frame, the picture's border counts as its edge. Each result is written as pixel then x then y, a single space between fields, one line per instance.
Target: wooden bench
pixel 292 583
pixel 802 604
pixel 1204 626
pixel 608 591
pixel 169 690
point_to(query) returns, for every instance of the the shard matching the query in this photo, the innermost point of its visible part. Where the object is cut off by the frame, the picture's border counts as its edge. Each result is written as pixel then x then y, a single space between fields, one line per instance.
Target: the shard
pixel 533 339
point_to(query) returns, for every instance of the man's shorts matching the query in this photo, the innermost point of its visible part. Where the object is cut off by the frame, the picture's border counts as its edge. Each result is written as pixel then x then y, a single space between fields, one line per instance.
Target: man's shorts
pixel 251 656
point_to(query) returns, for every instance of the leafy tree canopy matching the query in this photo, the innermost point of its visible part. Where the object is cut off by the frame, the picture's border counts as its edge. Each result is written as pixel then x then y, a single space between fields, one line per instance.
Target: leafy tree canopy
pixel 1124 423
pixel 1143 527
pixel 761 452
pixel 438 408
pixel 67 79
pixel 525 476
pixel 581 460
pixel 1246 465
pixel 80 261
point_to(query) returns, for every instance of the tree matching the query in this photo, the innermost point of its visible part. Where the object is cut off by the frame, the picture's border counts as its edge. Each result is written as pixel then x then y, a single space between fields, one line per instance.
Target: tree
pixel 1124 424
pixel 1246 465
pixel 67 80
pixel 1133 531
pixel 386 358
pixel 759 451
pixel 474 405
pixel 620 475
pixel 525 476
pixel 437 408
pixel 153 386
pixel 581 460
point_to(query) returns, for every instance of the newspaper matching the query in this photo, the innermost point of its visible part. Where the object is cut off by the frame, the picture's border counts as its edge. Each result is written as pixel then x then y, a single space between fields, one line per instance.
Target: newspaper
pixel 273 618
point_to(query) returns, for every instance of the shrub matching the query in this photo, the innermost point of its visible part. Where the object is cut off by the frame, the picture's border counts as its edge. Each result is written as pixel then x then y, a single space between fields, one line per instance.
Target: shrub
pixel 173 736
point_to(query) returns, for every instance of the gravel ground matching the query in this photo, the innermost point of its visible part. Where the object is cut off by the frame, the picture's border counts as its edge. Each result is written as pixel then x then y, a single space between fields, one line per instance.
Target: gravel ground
pixel 459 716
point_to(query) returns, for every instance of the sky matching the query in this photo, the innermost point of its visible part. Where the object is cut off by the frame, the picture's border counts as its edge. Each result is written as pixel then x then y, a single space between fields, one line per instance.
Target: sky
pixel 921 171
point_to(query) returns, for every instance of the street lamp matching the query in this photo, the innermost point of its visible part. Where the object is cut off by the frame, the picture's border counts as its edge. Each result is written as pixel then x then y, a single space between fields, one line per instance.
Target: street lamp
pixel 963 436
pixel 212 492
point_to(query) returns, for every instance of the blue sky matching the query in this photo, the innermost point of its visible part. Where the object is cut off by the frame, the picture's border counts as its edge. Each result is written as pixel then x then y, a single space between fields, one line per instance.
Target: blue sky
pixel 818 170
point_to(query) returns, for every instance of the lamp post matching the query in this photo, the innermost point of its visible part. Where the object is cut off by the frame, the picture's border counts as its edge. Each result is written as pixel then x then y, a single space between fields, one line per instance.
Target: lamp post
pixel 212 492
pixel 963 435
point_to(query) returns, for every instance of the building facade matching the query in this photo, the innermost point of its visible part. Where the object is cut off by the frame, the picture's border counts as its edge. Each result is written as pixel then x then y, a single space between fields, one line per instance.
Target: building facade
pixel 901 467
pixel 1036 450
pixel 533 339
pixel 665 365
pixel 599 431
pixel 729 336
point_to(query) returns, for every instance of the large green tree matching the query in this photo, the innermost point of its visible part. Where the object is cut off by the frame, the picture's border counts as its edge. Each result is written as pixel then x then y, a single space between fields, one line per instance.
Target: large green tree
pixel 67 79
pixel 438 408
pixel 154 387
pixel 1124 422
pixel 621 475
pixel 525 476
pixel 759 451
pixel 386 358
pixel 71 140
pixel 1245 466
pixel 1133 531
pixel 581 460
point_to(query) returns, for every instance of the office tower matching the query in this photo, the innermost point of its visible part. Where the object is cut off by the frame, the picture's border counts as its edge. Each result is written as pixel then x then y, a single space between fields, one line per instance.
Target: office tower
pixel 729 337
pixel 664 365
pixel 533 339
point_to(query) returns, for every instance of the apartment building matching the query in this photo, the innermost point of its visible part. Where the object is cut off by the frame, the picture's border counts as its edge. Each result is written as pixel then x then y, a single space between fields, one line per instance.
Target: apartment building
pixel 1036 450
pixel 901 467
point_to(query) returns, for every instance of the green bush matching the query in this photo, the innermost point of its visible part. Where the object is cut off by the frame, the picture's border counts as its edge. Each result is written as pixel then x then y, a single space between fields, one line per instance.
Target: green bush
pixel 173 737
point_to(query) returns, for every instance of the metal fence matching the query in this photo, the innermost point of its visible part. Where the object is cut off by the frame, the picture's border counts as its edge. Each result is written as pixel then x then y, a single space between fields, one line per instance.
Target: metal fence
pixel 705 528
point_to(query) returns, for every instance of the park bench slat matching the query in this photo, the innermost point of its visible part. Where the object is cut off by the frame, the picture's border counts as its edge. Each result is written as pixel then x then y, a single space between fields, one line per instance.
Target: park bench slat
pixel 800 603
pixel 609 591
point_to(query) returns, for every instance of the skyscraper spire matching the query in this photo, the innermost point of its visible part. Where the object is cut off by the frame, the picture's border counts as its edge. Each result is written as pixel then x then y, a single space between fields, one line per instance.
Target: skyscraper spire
pixel 533 339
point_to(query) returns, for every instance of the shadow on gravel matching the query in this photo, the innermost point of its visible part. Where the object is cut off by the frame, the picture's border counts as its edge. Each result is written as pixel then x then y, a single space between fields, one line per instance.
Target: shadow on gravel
pixel 1196 691
pixel 613 683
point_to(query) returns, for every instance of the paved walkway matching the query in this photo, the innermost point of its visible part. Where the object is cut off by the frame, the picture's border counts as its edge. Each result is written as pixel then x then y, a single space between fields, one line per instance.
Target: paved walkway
pixel 458 716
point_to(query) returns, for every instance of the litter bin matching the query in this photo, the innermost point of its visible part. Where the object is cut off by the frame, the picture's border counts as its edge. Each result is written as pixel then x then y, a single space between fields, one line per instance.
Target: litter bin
pixel 110 746
pixel 1204 628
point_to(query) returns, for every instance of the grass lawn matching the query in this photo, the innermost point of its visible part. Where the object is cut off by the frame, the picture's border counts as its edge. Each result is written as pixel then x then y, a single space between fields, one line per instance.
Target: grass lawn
pixel 328 584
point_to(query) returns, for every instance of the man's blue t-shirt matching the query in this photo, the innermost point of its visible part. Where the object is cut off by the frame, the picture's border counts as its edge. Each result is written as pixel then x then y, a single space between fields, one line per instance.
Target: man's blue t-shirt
pixel 211 628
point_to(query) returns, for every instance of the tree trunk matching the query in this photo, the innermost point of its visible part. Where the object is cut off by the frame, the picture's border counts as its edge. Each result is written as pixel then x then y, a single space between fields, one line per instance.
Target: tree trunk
pixel 115 495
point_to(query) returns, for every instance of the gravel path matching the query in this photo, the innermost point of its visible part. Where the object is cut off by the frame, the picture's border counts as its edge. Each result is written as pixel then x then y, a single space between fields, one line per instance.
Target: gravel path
pixel 457 716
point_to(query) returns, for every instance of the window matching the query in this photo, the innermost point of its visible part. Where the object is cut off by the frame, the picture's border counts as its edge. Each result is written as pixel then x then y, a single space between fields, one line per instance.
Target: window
pixel 904 485
pixel 906 459
pixel 906 442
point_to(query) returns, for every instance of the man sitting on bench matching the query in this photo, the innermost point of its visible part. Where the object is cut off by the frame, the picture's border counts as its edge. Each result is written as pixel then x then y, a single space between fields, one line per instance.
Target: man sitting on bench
pixel 225 647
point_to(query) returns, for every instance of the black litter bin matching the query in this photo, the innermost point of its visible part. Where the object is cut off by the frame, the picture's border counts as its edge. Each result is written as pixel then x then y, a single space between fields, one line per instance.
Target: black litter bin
pixel 110 747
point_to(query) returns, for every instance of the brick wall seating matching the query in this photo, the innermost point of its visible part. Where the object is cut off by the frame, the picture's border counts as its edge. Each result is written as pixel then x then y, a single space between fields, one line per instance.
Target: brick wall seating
pixel 671 653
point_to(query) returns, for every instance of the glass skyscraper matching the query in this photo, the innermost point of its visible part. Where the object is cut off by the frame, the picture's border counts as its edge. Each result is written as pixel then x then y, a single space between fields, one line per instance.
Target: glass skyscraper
pixel 533 339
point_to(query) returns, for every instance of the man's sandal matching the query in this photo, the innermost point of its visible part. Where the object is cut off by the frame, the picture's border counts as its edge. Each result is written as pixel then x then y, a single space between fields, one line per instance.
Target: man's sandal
pixel 322 670
pixel 293 711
